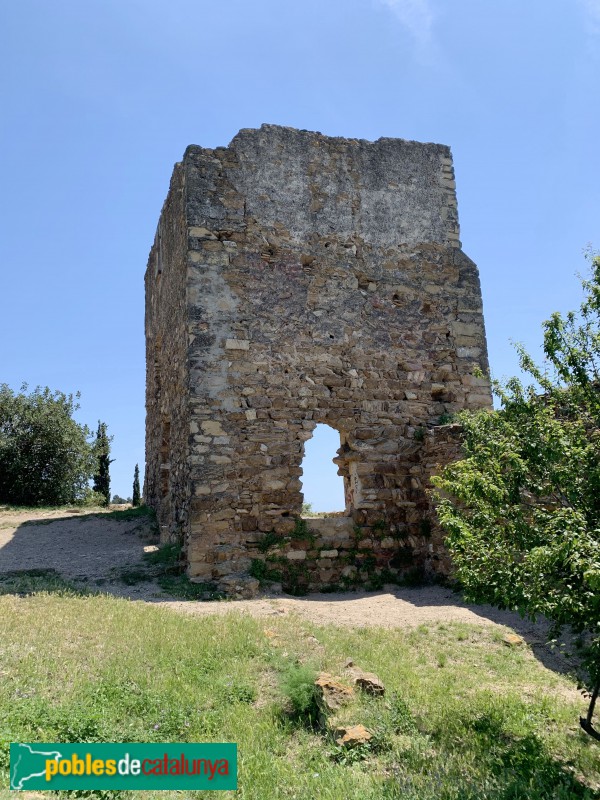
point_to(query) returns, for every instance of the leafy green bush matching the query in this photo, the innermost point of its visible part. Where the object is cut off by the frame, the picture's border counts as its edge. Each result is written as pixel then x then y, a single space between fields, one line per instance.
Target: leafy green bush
pixel 92 499
pixel 522 509
pixel 45 456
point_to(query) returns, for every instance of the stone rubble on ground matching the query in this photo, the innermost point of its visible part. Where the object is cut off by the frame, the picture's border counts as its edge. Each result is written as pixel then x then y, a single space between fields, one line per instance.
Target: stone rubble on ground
pixel 352 736
pixel 331 692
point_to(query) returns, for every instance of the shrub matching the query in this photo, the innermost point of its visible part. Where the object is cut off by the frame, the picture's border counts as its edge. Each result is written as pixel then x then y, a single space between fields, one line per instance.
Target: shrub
pixel 298 686
pixel 522 509
pixel 45 456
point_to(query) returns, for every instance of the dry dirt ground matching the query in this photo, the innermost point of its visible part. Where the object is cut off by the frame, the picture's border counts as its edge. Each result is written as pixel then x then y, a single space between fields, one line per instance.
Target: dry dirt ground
pixel 76 543
pixel 95 549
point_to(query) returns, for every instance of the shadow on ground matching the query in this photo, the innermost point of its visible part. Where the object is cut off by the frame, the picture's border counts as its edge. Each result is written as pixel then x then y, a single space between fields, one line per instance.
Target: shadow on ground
pixel 81 552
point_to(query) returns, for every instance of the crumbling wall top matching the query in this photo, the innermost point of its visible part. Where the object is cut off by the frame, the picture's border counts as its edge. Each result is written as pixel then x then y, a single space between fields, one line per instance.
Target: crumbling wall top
pixel 387 192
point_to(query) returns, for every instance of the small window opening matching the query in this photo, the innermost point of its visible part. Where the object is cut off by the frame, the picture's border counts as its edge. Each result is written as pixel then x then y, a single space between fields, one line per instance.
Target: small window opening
pixel 322 487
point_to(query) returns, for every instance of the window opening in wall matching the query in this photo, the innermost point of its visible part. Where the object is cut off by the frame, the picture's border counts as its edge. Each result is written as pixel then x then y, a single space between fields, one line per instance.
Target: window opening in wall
pixel 323 488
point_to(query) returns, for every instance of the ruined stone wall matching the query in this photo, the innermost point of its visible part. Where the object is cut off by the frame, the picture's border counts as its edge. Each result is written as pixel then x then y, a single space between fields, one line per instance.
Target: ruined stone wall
pixel 166 485
pixel 325 283
pixel 441 446
pixel 335 553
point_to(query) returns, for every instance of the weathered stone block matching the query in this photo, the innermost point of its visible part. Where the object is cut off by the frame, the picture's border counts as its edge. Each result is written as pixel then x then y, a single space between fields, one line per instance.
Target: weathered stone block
pixel 296 555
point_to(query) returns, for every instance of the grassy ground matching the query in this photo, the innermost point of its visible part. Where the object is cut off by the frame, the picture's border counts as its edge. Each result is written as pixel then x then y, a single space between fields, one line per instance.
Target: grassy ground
pixel 464 716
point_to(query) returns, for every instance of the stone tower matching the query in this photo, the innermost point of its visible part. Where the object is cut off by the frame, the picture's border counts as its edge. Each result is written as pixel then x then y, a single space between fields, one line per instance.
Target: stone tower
pixel 298 279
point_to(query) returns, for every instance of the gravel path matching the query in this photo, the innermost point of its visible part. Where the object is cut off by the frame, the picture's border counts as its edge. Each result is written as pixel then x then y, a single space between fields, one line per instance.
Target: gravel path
pixel 77 544
pixel 388 608
pixel 89 547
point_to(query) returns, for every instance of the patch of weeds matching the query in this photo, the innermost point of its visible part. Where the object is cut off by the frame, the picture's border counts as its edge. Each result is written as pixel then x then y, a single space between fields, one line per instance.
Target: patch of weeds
pixel 91 794
pixel 239 693
pixel 400 533
pixel 294 579
pixel 446 419
pixel 9 507
pixel 269 540
pixel 297 683
pixel 300 528
pixel 366 560
pixel 387 576
pixel 357 531
pixel 130 577
pixel 135 512
pixel 258 569
pixel 379 526
pixel 166 560
pixel 331 588
pixel 419 434
pixel 84 727
pixel 302 531
pixel 168 557
pixel 181 586
pixel 347 756
pixel 4 758
pixel 348 582
pixel 42 572
pixel 401 719
pixel 375 583
pixel 261 570
pixel 31 581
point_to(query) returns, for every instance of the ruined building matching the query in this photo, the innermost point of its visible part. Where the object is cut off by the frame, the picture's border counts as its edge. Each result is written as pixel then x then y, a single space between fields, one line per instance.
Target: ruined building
pixel 298 279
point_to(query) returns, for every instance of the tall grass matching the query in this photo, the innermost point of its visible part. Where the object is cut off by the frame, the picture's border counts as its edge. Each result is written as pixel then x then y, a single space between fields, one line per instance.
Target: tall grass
pixel 486 721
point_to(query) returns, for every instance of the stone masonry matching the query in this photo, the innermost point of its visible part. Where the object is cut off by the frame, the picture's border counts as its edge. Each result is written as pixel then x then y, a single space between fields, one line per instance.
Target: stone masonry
pixel 298 279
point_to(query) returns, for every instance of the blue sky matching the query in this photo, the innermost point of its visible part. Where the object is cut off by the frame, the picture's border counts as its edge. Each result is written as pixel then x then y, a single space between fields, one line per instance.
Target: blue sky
pixel 100 98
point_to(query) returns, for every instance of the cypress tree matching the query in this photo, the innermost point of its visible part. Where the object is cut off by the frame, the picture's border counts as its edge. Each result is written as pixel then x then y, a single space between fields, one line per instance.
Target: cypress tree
pixel 102 476
pixel 136 501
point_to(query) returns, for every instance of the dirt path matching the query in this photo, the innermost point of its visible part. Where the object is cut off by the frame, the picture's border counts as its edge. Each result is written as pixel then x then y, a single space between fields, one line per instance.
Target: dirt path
pixel 388 608
pixel 93 548
pixel 76 543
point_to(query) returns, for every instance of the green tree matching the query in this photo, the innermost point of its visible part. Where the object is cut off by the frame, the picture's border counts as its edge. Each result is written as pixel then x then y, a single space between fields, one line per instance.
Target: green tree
pixel 136 499
pixel 45 456
pixel 522 509
pixel 102 453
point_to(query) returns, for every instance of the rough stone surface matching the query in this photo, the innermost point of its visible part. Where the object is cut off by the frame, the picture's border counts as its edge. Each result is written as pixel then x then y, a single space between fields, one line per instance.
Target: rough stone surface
pixel 513 640
pixel 298 279
pixel 352 736
pixel 368 682
pixel 331 693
